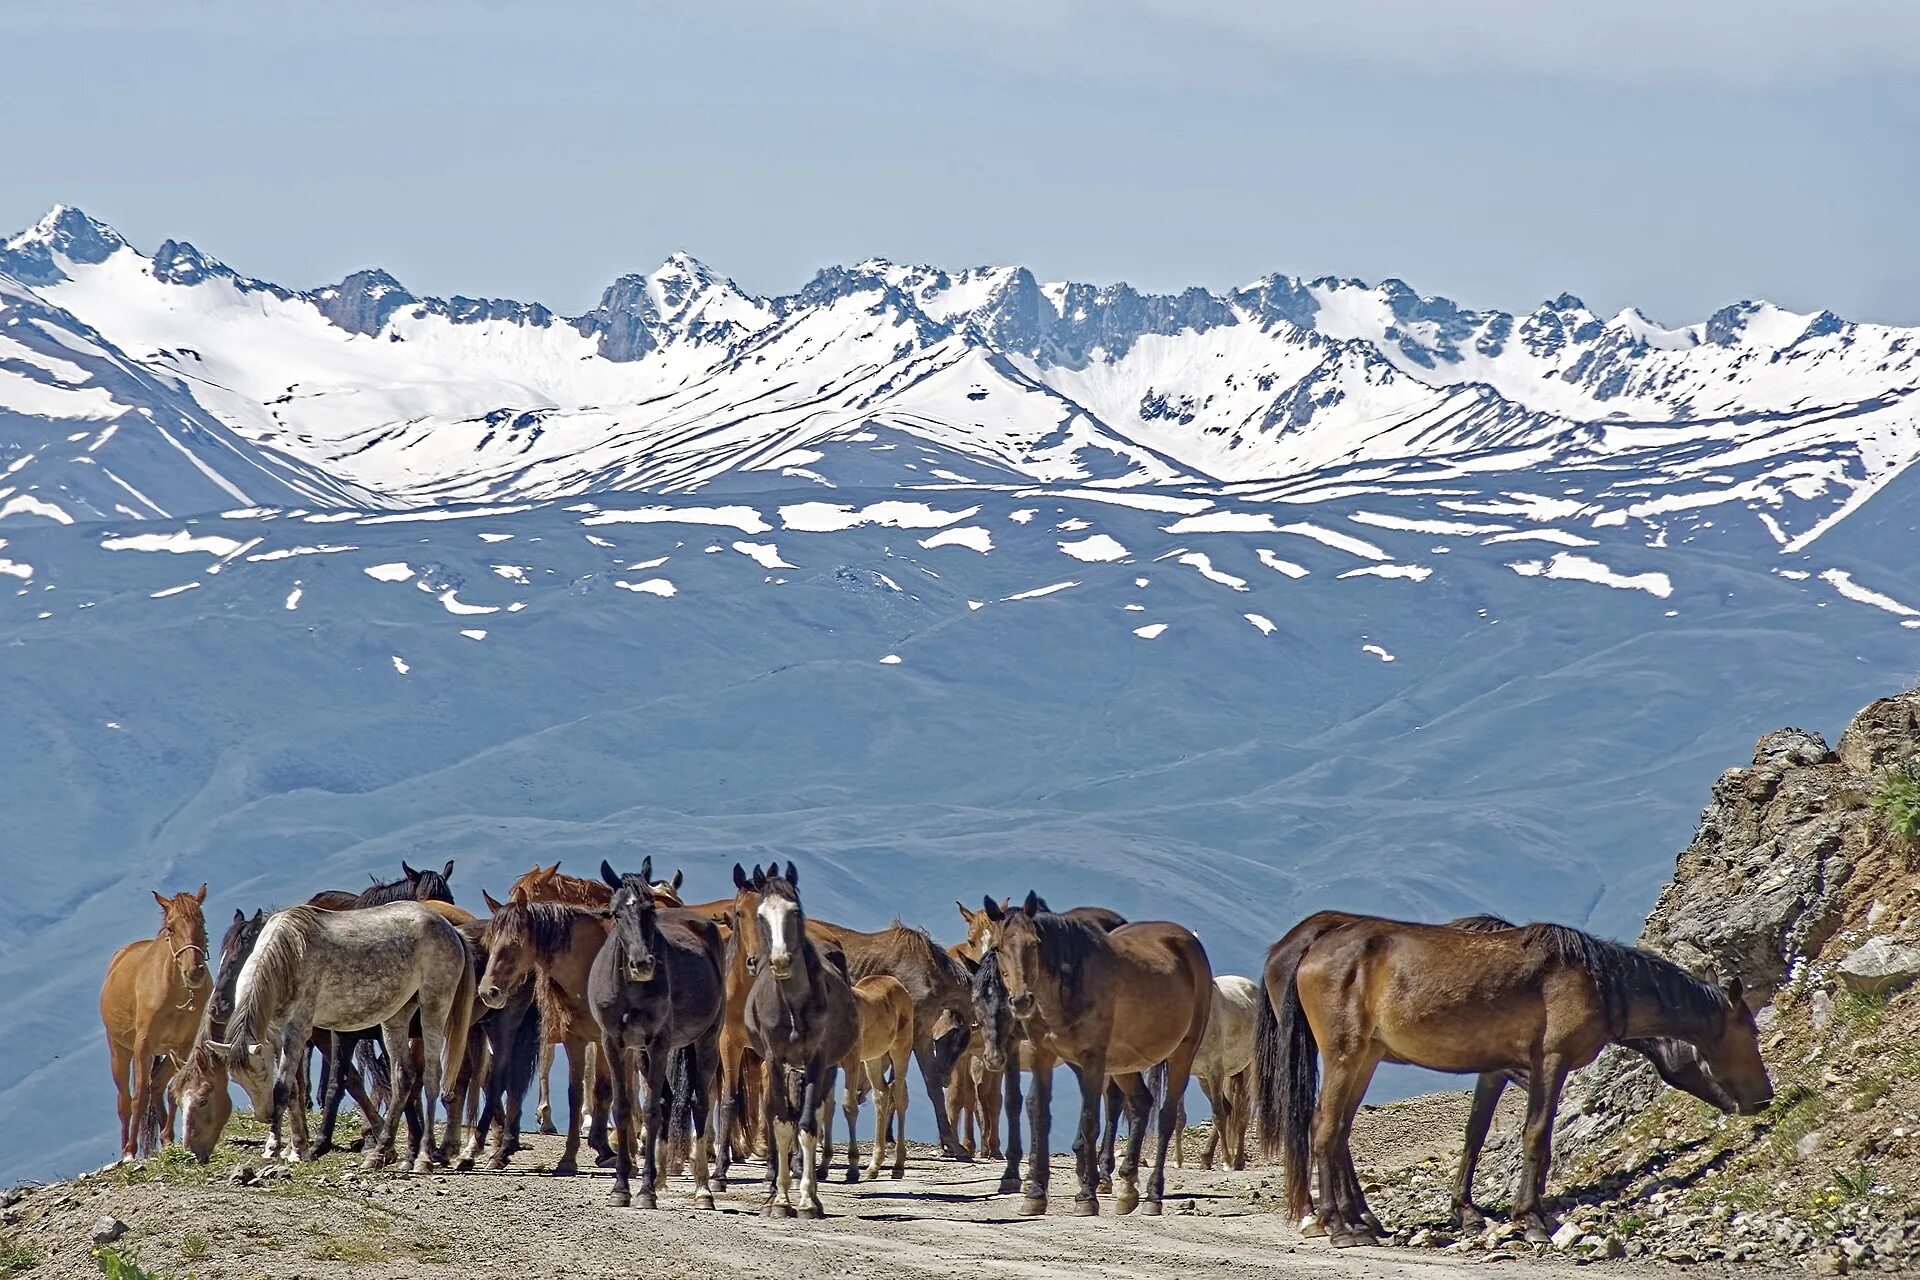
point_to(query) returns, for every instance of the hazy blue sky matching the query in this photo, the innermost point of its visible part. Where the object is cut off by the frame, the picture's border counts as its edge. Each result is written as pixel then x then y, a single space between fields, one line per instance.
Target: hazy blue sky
pixel 1675 154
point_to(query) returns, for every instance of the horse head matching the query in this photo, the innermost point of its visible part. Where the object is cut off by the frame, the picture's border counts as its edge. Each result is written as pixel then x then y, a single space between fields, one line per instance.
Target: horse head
pixel 184 930
pixel 200 1092
pixel 666 893
pixel 1731 1055
pixel 429 886
pixel 993 1014
pixel 780 921
pixel 235 946
pixel 979 931
pixel 1021 965
pixel 742 936
pixel 249 1064
pixel 636 931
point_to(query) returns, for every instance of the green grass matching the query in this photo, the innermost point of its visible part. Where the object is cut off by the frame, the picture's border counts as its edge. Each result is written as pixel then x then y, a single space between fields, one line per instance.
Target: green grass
pixel 115 1265
pixel 1898 799
pixel 194 1247
pixel 16 1256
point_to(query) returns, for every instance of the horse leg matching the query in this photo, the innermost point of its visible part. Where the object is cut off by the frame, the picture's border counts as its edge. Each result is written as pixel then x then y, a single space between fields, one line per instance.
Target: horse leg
pixel 1039 1124
pixel 544 1111
pixel 777 1121
pixel 705 1074
pixel 1139 1101
pixel 1010 1090
pixel 1486 1096
pixel 1341 1204
pixel 850 1103
pixel 1086 1152
pixel 1241 1089
pixel 433 1036
pixel 569 1162
pixel 882 1090
pixel 817 1087
pixel 897 1108
pixel 600 1090
pixel 1543 1100
pixel 1220 1102
pixel 622 1106
pixel 1173 1076
pixel 989 1088
pixel 394 1035
pixel 960 1107
pixel 1109 1134
pixel 936 1084
pixel 140 1080
pixel 121 1064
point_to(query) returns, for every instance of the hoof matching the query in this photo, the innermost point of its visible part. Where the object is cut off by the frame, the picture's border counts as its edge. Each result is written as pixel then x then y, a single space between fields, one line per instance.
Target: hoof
pixel 618 1198
pixel 720 1182
pixel 373 1163
pixel 1088 1208
pixel 898 1173
pixel 1312 1228
pixel 1009 1187
pixel 1538 1235
pixel 319 1149
pixel 779 1211
pixel 463 1165
pixel 565 1169
pixel 1470 1220
pixel 1151 1208
pixel 646 1201
pixel 1372 1223
pixel 546 1127
pixel 1033 1207
pixel 960 1154
pixel 812 1212
pixel 422 1164
pixel 604 1160
pixel 703 1200
pixel 1127 1201
pixel 498 1164
pixel 853 1175
pixel 1349 1238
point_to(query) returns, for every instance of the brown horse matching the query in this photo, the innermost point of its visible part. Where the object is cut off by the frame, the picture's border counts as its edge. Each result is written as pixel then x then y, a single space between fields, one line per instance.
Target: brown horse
pixel 1114 1005
pixel 882 1042
pixel 973 1090
pixel 551 946
pixel 1541 1001
pixel 151 1004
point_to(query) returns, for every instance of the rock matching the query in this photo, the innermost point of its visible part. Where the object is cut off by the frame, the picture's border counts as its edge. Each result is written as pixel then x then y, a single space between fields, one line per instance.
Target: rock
pixel 1568 1236
pixel 1880 965
pixel 1821 1009
pixel 106 1230
pixel 1809 1143
pixel 243 1175
pixel 1830 1262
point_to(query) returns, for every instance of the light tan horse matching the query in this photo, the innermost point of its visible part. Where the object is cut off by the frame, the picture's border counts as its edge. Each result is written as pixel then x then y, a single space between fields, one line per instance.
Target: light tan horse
pixel 151 1003
pixel 884 1042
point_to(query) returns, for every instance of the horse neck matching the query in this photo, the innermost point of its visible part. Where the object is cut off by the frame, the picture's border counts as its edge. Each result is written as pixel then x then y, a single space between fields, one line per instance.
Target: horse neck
pixel 259 991
pixel 1649 1018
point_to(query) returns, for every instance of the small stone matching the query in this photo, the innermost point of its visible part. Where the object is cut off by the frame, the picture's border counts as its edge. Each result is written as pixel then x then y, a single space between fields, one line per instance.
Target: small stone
pixel 107 1230
pixel 1880 965
pixel 1568 1235
pixel 1808 1143
pixel 1420 1239
pixel 243 1175
pixel 1830 1262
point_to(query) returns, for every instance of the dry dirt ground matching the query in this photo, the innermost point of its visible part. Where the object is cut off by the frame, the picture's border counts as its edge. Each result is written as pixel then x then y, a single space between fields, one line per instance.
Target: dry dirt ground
pixel 942 1220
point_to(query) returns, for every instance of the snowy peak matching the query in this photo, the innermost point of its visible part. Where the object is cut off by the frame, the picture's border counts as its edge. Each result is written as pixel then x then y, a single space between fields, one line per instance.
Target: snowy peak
pixel 35 255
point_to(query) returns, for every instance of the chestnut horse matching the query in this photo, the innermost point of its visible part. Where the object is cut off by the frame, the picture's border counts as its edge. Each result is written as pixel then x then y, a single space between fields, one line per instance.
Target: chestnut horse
pixel 1541 1000
pixel 550 947
pixel 151 1003
pixel 882 1043
pixel 1113 1004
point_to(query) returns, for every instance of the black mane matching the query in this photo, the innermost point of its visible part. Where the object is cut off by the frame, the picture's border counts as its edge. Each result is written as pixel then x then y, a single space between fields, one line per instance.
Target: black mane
pixel 1068 945
pixel 1621 973
pixel 1485 923
pixel 547 927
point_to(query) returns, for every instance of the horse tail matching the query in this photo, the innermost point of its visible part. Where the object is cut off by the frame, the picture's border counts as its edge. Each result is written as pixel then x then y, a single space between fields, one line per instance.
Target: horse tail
pixel 1286 1062
pixel 154 1129
pixel 680 1103
pixel 459 1024
pixel 376 1073
pixel 521 1057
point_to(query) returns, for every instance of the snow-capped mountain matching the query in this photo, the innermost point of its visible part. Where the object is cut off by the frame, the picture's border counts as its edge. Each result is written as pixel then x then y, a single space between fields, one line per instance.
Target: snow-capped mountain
pixel 1218 608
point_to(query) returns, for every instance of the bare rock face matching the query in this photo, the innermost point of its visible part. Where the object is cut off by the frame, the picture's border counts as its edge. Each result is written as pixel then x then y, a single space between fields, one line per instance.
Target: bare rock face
pixel 1880 965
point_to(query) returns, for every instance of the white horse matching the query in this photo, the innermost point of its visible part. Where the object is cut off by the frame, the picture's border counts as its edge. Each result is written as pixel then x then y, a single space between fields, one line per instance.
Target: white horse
pixel 348 971
pixel 1222 1066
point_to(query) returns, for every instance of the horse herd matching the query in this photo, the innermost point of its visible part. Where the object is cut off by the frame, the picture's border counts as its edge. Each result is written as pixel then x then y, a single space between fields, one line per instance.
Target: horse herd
pixel 700 1033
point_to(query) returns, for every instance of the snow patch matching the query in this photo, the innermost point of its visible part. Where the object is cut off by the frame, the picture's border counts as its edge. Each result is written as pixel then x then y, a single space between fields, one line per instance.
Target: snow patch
pixel 651 587
pixel 1037 592
pixel 287 553
pixel 179 543
pixel 1842 581
pixel 1377 652
pixel 453 604
pixel 1278 565
pixel 174 591
pixel 764 554
pixel 1265 624
pixel 1578 568
pixel 1224 522
pixel 1200 561
pixel 293 597
pixel 475 633
pixel 1412 572
pixel 398 571
pixel 400 664
pixel 830 517
pixel 1151 631
pixel 1099 549
pixel 1338 541
pixel 745 519
pixel 974 536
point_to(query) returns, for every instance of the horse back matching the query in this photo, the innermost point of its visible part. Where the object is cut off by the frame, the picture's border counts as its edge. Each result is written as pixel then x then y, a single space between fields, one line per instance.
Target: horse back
pixel 1162 984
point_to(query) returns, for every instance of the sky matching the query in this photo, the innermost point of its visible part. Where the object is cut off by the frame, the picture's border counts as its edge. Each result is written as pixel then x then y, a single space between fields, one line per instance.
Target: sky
pixel 1676 155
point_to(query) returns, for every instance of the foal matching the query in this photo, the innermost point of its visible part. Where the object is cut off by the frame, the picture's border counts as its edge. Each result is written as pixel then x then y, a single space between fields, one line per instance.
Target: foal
pixel 884 1040
pixel 800 1018
pixel 656 992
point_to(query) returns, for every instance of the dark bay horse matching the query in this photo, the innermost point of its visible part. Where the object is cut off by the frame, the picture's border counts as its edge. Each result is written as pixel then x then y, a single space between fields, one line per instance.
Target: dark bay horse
pixel 801 1018
pixel 412 886
pixel 1542 1001
pixel 1116 1004
pixel 150 1005
pixel 658 997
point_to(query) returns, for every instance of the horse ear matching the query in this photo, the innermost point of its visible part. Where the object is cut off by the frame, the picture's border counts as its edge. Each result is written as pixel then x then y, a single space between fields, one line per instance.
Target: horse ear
pixel 446 872
pixel 759 880
pixel 679 878
pixel 220 1047
pixel 793 876
pixel 739 877
pixel 646 870
pixel 964 913
pixel 157 898
pixel 201 896
pixel 607 873
pixel 1735 991
pixel 260 916
pixel 409 872
pixel 492 905
pixel 995 912
pixel 1032 905
pixel 239 916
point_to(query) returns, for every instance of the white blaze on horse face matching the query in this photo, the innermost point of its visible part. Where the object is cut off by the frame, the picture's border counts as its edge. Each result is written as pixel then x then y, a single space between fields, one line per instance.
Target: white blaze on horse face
pixel 776 912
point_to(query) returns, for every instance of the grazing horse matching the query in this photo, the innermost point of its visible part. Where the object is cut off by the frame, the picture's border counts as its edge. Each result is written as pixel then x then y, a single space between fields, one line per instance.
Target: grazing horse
pixel 1223 1065
pixel 412 886
pixel 549 947
pixel 658 996
pixel 349 970
pixel 151 1004
pixel 882 1042
pixel 801 1019
pixel 1539 1001
pixel 546 884
pixel 1110 1004
pixel 1676 1061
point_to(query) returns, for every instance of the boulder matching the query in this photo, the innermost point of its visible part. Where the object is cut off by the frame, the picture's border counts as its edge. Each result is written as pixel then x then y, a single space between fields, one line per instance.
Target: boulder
pixel 106 1230
pixel 1880 965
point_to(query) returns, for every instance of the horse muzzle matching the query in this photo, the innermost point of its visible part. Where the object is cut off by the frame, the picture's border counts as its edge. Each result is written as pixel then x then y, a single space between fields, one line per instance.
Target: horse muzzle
pixel 993 1062
pixel 1022 1006
pixel 492 997
pixel 780 969
pixel 642 972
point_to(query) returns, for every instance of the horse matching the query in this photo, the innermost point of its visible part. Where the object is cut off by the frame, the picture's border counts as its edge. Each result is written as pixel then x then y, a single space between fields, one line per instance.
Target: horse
pixel 413 886
pixel 500 1056
pixel 350 970
pixel 151 1004
pixel 550 947
pixel 657 994
pixel 546 884
pixel 801 1018
pixel 1541 1000
pixel 883 1039
pixel 1676 1061
pixel 1222 1066
pixel 973 1091
pixel 1115 1004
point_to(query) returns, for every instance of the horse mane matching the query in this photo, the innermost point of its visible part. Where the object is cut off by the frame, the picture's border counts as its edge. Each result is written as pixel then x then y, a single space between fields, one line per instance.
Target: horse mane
pixel 1484 923
pixel 1069 943
pixel 546 927
pixel 270 972
pixel 429 886
pixel 1621 973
